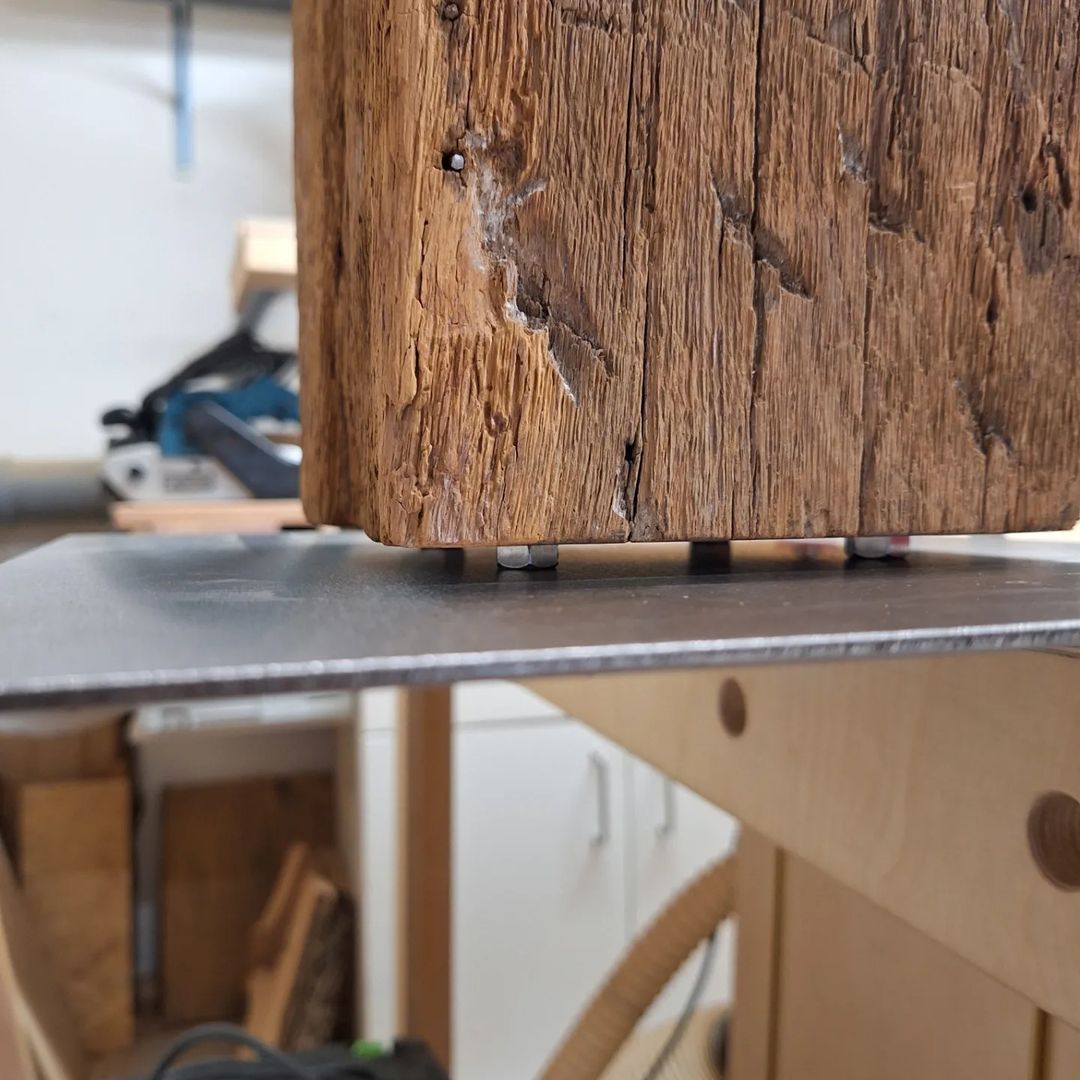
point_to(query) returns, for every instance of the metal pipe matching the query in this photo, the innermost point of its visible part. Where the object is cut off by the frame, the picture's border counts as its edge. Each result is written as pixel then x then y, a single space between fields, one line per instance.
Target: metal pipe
pixel 36 491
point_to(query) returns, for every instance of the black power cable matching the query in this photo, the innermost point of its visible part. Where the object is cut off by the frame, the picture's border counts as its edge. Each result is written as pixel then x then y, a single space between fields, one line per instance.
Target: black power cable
pixel 408 1060
pixel 283 1067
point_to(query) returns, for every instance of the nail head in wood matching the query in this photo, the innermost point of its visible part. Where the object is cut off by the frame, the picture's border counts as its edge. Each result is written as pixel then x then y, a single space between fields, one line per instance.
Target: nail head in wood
pixel 450 12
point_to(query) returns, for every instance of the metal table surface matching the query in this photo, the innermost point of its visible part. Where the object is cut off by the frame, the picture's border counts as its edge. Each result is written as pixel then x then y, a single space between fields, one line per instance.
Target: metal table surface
pixel 100 619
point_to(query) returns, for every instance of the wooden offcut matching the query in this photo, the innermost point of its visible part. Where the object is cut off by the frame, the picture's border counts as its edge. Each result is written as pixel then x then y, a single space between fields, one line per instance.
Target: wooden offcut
pixel 222 848
pixel 74 861
pixel 708 269
pixel 264 260
pixel 38 1034
pixel 297 988
pixel 94 751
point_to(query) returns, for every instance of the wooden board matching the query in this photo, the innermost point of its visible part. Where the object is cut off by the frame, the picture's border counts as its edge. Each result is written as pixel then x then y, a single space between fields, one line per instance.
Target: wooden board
pixel 758 907
pixel 708 269
pixel 16 1056
pixel 222 848
pixel 348 788
pixel 75 866
pixel 242 516
pixel 92 751
pixel 265 258
pixel 1062 1052
pixel 862 996
pixel 425 869
pixel 38 1035
pixel 910 781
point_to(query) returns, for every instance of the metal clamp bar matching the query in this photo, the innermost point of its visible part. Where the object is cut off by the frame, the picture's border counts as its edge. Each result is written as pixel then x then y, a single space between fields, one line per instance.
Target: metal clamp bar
pixel 182 28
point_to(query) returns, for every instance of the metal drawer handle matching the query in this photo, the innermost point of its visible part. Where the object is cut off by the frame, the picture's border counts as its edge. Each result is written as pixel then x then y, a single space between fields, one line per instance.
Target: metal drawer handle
pixel 602 773
pixel 667 817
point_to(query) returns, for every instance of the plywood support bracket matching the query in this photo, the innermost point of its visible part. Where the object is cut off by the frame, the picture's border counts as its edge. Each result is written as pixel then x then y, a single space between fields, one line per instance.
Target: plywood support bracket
pixel 910 781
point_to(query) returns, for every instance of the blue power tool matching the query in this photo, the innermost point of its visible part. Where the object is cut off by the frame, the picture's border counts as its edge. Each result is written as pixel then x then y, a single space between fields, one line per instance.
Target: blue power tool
pixel 203 433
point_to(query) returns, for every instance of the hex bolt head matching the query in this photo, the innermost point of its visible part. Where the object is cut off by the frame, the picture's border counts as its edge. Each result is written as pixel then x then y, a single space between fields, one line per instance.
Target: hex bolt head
pixel 454 161
pixel 528 556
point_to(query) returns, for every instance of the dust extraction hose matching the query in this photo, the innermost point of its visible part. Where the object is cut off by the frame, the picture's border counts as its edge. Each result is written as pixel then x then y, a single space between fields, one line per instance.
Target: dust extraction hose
pixel 643 972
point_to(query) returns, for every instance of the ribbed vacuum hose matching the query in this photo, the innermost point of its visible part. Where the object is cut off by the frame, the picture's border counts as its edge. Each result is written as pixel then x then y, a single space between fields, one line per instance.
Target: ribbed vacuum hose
pixel 645 970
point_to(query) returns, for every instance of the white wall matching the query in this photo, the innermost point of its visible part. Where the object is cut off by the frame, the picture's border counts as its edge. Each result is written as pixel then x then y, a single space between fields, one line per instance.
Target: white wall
pixel 114 269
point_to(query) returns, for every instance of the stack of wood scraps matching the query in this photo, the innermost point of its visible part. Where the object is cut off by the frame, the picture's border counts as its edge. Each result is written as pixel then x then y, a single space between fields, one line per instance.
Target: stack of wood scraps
pixel 298 987
pixel 223 844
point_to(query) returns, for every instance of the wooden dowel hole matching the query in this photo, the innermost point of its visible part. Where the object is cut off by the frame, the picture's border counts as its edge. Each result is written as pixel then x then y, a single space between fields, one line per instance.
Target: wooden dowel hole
pixel 732 705
pixel 1054 839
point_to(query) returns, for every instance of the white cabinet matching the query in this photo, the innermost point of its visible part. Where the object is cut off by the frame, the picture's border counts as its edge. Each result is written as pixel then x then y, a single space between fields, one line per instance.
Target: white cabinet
pixel 539 882
pixel 378 843
pixel 675 834
pixel 564 848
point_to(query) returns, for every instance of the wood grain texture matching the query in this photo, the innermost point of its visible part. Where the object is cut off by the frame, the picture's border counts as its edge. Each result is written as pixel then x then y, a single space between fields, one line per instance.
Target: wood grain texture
pixel 300 955
pixel 712 268
pixel 264 260
pixel 95 751
pixel 47 1045
pixel 910 781
pixel 74 863
pixel 246 517
pixel 349 793
pixel 222 850
pixel 1062 1052
pixel 425 865
pixel 864 997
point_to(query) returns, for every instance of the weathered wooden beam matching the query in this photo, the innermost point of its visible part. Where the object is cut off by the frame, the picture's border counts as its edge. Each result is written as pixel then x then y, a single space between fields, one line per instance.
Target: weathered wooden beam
pixel 612 270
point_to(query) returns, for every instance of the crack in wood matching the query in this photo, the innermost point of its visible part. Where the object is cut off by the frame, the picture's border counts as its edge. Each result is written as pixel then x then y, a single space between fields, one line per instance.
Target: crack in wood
pixel 759 297
pixel 768 251
pixel 841 36
pixel 592 15
pixel 1055 157
pixel 733 210
pixel 852 156
pixel 420 264
pixel 866 458
pixel 641 27
pixel 982 431
pixel 891 220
